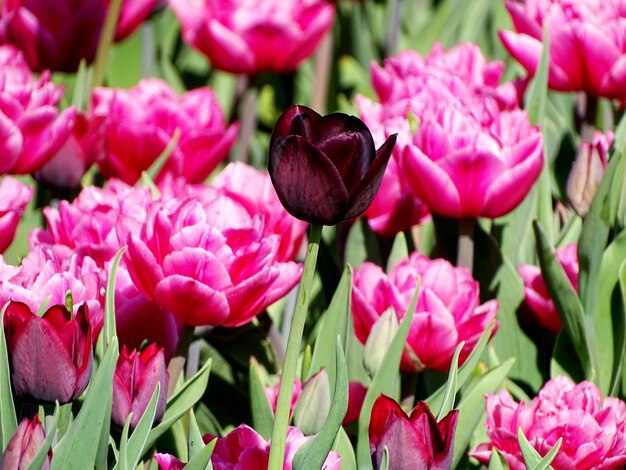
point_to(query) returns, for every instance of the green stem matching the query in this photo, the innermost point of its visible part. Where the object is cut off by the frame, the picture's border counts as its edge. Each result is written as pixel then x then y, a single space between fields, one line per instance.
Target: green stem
pixel 281 420
pixel 104 45
pixel 248 122
pixel 465 253
pixel 176 364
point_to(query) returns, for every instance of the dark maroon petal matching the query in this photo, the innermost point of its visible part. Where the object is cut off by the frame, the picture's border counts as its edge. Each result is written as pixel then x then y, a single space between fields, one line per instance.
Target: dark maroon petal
pixel 447 426
pixel 306 181
pixel 408 448
pixel 296 119
pixel 384 412
pixel 362 195
pixel 348 143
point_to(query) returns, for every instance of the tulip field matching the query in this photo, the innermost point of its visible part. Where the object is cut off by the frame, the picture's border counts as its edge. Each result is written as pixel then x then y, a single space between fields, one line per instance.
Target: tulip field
pixel 313 234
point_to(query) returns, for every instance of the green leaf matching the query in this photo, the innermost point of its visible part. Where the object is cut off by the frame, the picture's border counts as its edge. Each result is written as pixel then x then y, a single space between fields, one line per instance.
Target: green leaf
pixel 537 93
pixel 136 445
pixel 8 419
pixel 122 460
pixel 194 440
pixel 399 251
pixel 313 405
pixel 76 450
pixel 334 322
pixel 437 399
pixel 42 453
pixel 262 414
pixel 496 462
pixel 472 406
pixel 620 335
pixel 109 301
pixel 178 404
pixel 385 381
pixel 449 396
pixel 343 447
pixel 532 458
pixel 567 304
pixel 384 462
pixel 314 452
pixel 202 460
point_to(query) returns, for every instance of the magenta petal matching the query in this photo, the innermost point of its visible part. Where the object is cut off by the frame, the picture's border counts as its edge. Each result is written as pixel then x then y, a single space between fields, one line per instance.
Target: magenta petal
pixel 143 267
pixel 192 302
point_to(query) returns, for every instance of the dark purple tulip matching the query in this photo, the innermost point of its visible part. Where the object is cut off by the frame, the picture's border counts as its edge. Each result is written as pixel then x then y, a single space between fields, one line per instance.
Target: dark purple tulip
pixel 414 442
pixel 325 169
pixel 50 356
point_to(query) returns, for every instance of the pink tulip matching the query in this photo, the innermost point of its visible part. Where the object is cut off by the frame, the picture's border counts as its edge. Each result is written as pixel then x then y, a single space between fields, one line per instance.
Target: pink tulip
pixel 252 36
pixel 87 224
pixel 141 122
pixel 14 196
pixel 209 262
pixel 244 449
pixel 272 395
pixel 168 462
pixel 538 300
pixel 50 272
pixel 356 396
pixel 447 311
pixel 254 190
pixel 473 161
pixel 31 126
pixel 58 34
pixel 50 356
pixel 136 377
pixel 594 29
pixel 415 441
pixel 593 429
pixel 588 170
pixel 26 442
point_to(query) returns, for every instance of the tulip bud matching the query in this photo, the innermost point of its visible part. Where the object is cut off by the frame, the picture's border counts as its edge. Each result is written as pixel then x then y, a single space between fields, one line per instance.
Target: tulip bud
pixel 272 395
pixel 136 377
pixel 50 356
pixel 379 339
pixel 24 446
pixel 313 404
pixel 588 171
pixel 415 441
pixel 325 169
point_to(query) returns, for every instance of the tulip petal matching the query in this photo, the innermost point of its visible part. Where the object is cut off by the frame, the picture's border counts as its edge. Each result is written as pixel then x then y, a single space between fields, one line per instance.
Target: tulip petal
pixel 298 120
pixel 147 277
pixel 324 198
pixel 192 302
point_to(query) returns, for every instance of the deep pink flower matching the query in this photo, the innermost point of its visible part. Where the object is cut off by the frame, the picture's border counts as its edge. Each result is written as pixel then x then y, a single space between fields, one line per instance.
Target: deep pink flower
pixel 537 299
pixel 168 462
pixel 588 170
pixel 413 441
pixel 593 429
pixel 52 271
pixel 14 196
pixel 209 262
pixel 87 224
pixel 595 29
pixel 473 160
pixel 57 34
pixel 26 442
pixel 136 377
pixel 31 126
pixel 142 121
pixel 447 311
pixel 325 169
pixel 252 36
pixel 253 189
pixel 356 396
pixel 244 449
pixel 50 356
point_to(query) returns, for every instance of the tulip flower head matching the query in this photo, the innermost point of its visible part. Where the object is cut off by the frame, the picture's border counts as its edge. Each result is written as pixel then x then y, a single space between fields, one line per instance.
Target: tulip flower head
pixel 415 441
pixel 325 169
pixel 50 356
pixel 14 196
pixel 593 429
pixel 23 447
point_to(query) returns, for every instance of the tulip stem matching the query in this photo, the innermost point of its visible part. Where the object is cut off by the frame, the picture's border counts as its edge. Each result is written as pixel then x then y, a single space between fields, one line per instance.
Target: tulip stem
pixel 104 45
pixel 465 252
pixel 323 66
pixel 281 420
pixel 176 364
pixel 248 122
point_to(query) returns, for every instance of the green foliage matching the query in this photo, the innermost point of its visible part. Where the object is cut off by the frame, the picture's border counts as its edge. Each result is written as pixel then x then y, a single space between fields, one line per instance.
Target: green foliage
pixel 8 420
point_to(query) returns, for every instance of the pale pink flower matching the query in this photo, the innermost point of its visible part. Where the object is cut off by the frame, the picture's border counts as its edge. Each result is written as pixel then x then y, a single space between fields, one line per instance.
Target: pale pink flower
pixel 31 126
pixel 14 196
pixel 595 29
pixel 58 34
pixel 593 429
pixel 272 395
pixel 252 36
pixel 208 262
pixel 141 122
pixel 538 299
pixel 253 190
pixel 447 312
pixel 24 445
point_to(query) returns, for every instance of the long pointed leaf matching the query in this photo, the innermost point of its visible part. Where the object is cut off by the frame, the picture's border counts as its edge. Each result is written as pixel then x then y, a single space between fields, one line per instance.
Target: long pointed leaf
pixel 262 414
pixel 109 302
pixel 8 419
